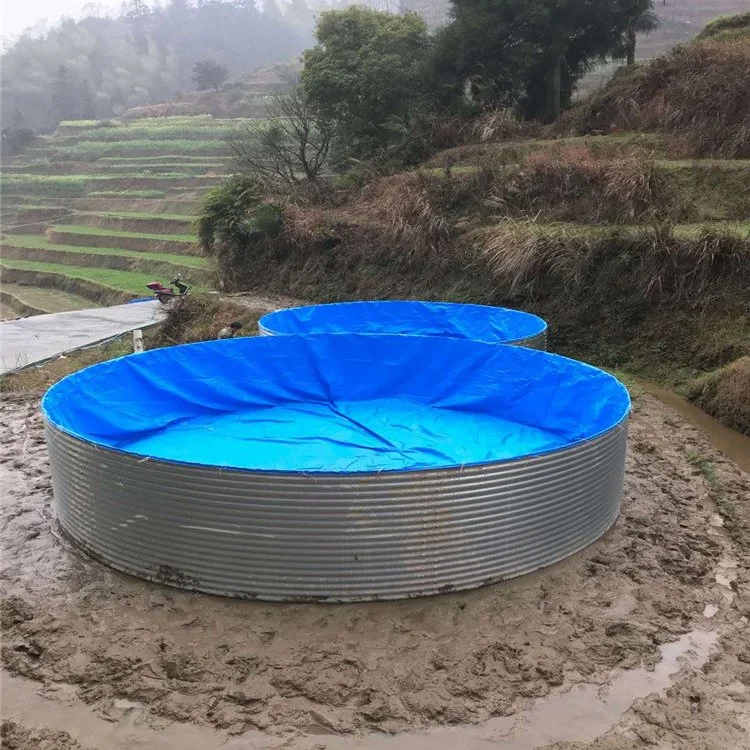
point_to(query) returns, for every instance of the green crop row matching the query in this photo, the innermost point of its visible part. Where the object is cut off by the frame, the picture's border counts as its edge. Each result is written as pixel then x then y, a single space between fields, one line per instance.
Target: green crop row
pixel 163 133
pixel 91 150
pixel 103 232
pixel 147 161
pixel 127 194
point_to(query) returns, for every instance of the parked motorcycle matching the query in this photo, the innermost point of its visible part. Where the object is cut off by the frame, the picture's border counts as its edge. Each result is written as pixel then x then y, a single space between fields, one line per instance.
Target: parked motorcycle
pixel 166 294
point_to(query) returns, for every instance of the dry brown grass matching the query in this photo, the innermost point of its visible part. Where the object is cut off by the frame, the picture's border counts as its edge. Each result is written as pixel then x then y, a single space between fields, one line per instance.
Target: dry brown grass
pixel 575 184
pixel 36 379
pixel 649 264
pixel 200 317
pixel 441 130
pixel 421 209
pixel 700 92
pixel 725 394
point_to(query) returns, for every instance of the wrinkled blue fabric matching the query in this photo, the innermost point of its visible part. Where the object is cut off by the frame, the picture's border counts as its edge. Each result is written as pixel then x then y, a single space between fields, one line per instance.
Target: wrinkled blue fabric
pixel 338 403
pixel 479 322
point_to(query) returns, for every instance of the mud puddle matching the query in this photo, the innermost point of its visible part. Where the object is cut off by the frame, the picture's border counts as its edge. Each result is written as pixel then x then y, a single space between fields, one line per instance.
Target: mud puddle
pixel 554 652
pixel 731 443
pixel 581 714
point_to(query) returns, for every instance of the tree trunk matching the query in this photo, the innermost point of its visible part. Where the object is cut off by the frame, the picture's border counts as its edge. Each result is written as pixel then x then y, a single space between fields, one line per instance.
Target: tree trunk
pixel 554 88
pixel 631 43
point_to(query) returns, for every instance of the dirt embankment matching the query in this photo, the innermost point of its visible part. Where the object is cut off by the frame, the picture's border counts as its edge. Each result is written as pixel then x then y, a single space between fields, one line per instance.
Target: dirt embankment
pixel 726 394
pixel 677 559
pixel 139 244
pixel 162 268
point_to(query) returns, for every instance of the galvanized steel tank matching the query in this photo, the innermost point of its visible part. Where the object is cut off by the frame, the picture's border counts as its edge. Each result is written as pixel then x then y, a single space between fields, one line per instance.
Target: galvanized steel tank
pixel 330 536
pixel 497 325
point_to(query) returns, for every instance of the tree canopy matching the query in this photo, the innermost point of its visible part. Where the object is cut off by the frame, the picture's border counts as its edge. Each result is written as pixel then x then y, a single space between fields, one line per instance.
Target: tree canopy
pixel 365 73
pixel 209 74
pixel 530 53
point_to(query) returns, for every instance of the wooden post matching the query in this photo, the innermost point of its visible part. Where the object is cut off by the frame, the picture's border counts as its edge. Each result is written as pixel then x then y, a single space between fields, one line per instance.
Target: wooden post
pixel 137 341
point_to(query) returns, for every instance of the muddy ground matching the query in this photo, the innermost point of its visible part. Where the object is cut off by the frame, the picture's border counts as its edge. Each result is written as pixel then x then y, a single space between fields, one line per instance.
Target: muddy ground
pixel 104 647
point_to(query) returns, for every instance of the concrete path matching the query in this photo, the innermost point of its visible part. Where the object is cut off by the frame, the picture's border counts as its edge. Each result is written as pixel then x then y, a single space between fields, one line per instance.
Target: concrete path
pixel 37 338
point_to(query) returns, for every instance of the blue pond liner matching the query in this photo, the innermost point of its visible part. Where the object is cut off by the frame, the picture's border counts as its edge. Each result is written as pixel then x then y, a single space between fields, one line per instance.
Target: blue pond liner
pixel 446 319
pixel 338 403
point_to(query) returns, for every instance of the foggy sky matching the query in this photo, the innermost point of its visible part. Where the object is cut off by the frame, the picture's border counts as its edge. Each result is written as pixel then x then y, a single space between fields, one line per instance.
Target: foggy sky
pixel 18 15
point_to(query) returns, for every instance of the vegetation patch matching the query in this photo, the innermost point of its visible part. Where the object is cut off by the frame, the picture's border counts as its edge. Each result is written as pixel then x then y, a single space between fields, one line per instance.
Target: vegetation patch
pixel 725 394
pixel 38 300
pixel 163 269
pixel 138 223
pixel 90 151
pixel 97 231
pixel 104 286
pixel 123 240
pixel 700 93
pixel 200 317
pixel 33 241
pixel 141 194
pixel 123 203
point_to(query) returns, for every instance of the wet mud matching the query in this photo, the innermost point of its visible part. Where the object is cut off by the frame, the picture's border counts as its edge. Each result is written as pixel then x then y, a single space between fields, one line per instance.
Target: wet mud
pixel 652 621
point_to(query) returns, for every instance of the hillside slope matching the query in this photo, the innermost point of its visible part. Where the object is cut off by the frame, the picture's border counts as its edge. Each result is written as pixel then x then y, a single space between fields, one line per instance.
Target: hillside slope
pixel 99 209
pixel 635 246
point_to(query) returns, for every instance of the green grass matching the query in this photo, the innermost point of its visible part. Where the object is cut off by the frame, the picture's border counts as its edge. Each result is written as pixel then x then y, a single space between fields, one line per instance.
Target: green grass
pixel 38 241
pixel 93 150
pixel 83 123
pixel 81 229
pixel 128 281
pixel 148 160
pixel 165 166
pixel 166 133
pixel 143 215
pixel 166 128
pixel 127 194
pixel 740 228
pixel 570 229
pixel 51 300
pixel 73 184
pixel 692 163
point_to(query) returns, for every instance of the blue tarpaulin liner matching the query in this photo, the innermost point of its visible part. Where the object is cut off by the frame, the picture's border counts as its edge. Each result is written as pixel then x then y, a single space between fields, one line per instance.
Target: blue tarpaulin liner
pixel 480 322
pixel 338 403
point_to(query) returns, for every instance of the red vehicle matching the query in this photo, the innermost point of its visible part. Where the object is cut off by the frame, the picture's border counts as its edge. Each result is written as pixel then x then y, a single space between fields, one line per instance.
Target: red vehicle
pixel 166 293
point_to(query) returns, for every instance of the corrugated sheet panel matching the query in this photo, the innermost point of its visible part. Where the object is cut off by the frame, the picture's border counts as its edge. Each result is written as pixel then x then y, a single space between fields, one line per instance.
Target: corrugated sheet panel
pixel 292 537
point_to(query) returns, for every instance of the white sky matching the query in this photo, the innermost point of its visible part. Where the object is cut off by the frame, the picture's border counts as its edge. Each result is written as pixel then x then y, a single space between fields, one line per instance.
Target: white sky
pixel 18 15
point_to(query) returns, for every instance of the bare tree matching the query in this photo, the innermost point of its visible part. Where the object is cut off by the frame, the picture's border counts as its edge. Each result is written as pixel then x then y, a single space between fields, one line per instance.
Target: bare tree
pixel 291 147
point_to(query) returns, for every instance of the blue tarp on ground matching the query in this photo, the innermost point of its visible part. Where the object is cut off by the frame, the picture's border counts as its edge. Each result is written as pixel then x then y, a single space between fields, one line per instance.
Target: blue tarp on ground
pixel 483 323
pixel 338 403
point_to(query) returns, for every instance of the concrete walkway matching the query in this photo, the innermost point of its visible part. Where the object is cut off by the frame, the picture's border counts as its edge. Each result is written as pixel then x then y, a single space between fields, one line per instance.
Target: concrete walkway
pixel 37 338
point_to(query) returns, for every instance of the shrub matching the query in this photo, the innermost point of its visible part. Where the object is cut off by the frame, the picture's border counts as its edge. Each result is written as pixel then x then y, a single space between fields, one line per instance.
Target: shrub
pixel 232 222
pixel 573 184
pixel 726 394
pixel 421 208
pixel 699 92
pixel 589 263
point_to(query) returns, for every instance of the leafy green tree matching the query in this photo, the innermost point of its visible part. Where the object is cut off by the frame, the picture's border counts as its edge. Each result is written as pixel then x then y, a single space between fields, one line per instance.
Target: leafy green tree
pixel 364 75
pixel 530 53
pixel 65 94
pixel 232 223
pixel 209 74
pixel 640 17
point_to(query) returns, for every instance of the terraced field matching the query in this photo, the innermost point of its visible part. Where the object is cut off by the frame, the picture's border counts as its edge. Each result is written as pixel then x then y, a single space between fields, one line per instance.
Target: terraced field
pixel 101 209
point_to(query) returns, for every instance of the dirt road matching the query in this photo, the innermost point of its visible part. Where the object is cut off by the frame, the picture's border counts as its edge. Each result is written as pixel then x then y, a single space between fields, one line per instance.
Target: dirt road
pixel 579 654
